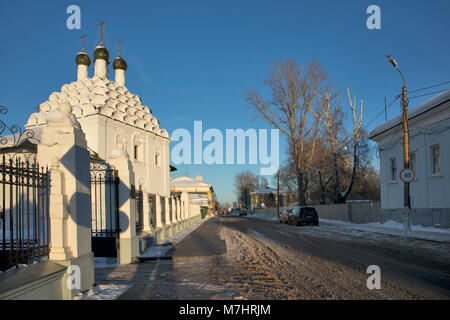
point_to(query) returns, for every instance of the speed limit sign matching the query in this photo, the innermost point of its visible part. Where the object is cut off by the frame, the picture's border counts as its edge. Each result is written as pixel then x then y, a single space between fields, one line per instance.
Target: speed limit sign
pixel 407 175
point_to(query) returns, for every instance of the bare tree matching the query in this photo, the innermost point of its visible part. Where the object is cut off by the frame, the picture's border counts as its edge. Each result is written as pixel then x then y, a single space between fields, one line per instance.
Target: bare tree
pixel 245 182
pixel 332 120
pixel 293 109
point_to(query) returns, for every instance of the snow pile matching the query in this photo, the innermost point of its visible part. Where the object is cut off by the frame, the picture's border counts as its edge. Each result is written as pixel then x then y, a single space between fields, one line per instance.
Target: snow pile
pixel 103 292
pixel 397 225
pixel 391 227
pixel 20 266
pixel 263 217
pixel 389 224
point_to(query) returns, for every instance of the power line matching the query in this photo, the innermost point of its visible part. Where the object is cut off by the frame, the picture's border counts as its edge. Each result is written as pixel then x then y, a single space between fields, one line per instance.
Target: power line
pixel 416 96
pixel 433 86
pixel 387 107
pixel 426 94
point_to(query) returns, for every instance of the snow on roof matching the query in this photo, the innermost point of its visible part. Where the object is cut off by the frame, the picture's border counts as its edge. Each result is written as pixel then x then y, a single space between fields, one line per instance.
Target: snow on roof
pixel 412 112
pixel 266 190
pixel 185 181
pixel 99 96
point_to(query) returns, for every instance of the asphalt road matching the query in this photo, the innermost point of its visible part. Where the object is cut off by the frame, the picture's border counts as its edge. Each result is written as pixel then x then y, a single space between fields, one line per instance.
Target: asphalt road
pixel 409 269
pixel 248 258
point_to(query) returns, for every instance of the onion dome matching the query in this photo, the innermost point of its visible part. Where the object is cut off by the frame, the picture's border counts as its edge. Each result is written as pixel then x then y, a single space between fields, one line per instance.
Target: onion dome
pixel 83 58
pixel 120 63
pixel 101 53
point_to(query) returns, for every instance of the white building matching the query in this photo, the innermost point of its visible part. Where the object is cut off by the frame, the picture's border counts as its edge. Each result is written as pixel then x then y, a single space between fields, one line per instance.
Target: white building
pixel 111 117
pixel 429 137
pixel 199 191
pixel 116 125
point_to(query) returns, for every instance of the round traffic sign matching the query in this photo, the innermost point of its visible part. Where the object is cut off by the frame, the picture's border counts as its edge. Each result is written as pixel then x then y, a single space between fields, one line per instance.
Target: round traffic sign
pixel 407 175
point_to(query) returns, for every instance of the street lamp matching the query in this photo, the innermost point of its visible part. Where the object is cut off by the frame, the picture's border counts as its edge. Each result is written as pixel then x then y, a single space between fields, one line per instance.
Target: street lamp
pixel 406 199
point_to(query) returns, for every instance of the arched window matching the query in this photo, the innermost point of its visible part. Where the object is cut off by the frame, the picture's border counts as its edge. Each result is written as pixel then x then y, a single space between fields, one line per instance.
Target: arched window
pixel 138 148
pixel 157 157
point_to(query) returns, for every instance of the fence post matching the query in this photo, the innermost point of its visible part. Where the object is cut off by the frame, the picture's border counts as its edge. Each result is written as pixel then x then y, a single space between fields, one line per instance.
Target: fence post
pixel 63 147
pixel 128 241
pixel 58 216
pixel 146 226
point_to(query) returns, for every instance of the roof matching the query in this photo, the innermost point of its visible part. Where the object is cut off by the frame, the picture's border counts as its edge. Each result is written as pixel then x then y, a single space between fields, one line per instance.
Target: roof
pixel 185 181
pixel 412 112
pixel 266 190
pixel 99 96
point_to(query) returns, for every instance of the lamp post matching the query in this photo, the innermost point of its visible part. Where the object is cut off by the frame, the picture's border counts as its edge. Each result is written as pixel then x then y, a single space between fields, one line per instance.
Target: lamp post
pixel 406 198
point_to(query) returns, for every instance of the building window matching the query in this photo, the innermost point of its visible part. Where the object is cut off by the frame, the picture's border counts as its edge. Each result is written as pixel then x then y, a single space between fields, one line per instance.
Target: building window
pixel 157 158
pixel 435 159
pixel 412 161
pixel 138 148
pixel 136 152
pixel 393 170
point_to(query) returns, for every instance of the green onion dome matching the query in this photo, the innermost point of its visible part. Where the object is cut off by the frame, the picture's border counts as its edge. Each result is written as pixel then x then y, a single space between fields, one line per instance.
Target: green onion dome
pixel 101 53
pixel 83 58
pixel 120 63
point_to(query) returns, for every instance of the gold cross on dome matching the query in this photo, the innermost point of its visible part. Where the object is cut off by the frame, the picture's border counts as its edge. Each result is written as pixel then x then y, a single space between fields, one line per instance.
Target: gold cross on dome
pixel 101 24
pixel 119 42
pixel 82 38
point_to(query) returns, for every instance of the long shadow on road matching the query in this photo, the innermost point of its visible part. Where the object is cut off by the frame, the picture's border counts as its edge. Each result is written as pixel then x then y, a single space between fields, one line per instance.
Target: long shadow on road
pixel 397 263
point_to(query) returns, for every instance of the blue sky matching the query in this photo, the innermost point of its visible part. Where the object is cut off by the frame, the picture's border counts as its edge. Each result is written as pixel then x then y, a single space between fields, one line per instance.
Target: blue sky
pixel 192 60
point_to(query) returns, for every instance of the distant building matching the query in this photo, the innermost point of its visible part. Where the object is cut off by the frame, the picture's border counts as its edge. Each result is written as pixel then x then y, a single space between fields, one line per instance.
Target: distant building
pixel 429 138
pixel 265 197
pixel 199 191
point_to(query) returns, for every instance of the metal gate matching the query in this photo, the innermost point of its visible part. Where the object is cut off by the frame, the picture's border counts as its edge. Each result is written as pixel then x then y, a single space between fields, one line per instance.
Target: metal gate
pixel 105 229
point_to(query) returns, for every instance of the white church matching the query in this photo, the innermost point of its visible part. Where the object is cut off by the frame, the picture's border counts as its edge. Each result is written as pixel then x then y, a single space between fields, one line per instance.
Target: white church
pixel 117 124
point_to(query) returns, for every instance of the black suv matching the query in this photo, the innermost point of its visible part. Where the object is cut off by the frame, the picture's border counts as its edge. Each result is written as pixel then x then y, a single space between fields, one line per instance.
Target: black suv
pixel 306 215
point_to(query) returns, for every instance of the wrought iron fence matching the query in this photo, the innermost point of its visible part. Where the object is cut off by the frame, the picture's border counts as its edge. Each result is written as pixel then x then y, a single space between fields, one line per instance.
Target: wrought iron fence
pixel 24 212
pixel 152 208
pixel 170 210
pixel 24 198
pixel 139 208
pixel 163 210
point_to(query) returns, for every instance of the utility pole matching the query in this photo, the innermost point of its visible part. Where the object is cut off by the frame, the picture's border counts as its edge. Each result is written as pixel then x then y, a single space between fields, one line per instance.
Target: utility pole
pixel 406 198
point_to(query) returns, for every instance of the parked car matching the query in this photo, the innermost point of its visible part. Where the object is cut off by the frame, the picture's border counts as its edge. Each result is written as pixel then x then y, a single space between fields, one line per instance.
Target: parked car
pixel 304 215
pixel 243 212
pixel 284 215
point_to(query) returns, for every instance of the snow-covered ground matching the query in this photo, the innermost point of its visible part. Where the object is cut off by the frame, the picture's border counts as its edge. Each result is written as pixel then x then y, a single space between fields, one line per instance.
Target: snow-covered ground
pixel 158 250
pixel 112 291
pixel 103 292
pixel 20 266
pixel 395 228
pixel 263 216
pixel 389 227
pixel 161 249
